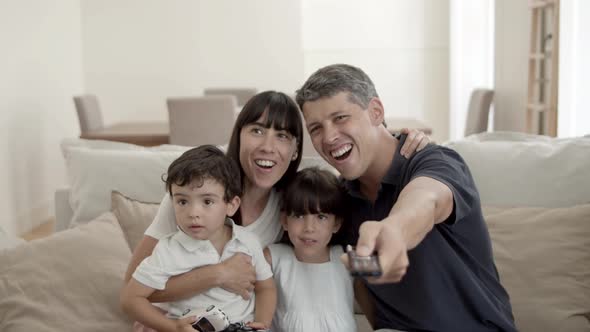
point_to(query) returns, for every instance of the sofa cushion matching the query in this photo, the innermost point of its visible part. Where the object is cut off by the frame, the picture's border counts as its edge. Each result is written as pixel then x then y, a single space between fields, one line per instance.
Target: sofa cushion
pixel 69 281
pixel 94 173
pixel 543 258
pixel 514 169
pixel 134 216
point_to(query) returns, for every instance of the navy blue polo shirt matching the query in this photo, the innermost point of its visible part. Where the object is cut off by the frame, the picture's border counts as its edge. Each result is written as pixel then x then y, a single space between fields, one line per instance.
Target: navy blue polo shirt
pixel 452 283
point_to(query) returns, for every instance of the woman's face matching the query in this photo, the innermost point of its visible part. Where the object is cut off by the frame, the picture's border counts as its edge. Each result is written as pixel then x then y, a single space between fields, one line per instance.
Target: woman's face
pixel 265 153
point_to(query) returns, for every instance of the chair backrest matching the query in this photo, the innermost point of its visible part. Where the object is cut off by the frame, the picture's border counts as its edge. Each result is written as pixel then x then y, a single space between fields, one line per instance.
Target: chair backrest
pixel 242 94
pixel 478 111
pixel 196 121
pixel 89 113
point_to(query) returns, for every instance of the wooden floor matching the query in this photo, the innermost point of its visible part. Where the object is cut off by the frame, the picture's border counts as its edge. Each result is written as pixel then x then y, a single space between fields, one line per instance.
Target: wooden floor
pixel 40 231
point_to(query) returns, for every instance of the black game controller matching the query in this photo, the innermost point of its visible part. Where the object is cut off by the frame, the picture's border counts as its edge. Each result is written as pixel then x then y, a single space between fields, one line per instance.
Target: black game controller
pixel 241 327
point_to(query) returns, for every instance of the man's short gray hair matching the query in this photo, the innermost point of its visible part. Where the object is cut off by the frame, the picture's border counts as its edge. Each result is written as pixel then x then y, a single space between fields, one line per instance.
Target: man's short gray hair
pixel 333 79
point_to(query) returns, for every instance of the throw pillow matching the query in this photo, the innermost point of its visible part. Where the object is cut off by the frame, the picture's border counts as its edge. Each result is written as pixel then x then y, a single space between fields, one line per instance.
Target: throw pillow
pixel 94 173
pixel 543 258
pixel 69 281
pixel 134 216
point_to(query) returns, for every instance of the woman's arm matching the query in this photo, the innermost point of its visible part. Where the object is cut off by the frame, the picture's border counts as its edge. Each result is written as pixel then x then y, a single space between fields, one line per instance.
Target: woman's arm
pixel 235 275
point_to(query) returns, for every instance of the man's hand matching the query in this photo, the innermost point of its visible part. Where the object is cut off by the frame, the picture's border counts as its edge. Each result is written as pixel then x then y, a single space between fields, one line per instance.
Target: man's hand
pixel 238 275
pixel 387 239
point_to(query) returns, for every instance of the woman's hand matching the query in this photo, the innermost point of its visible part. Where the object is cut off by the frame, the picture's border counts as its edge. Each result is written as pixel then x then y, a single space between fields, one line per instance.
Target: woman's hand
pixel 415 142
pixel 238 275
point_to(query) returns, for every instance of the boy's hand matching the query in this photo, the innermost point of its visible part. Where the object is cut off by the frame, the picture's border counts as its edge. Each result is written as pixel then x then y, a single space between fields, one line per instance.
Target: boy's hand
pixel 238 275
pixel 185 324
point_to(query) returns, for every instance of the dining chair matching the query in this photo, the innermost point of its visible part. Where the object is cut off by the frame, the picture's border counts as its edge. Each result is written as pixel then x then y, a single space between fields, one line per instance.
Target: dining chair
pixel 478 111
pixel 196 121
pixel 89 113
pixel 242 94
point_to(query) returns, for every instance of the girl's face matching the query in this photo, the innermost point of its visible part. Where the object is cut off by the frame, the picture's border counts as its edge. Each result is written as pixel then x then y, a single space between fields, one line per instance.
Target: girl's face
pixel 265 153
pixel 310 234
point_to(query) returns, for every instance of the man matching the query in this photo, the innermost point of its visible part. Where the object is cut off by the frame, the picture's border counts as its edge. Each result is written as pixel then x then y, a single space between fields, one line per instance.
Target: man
pixel 421 215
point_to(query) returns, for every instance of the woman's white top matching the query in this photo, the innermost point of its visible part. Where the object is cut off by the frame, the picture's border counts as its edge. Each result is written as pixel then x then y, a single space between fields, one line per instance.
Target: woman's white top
pixel 311 297
pixel 267 227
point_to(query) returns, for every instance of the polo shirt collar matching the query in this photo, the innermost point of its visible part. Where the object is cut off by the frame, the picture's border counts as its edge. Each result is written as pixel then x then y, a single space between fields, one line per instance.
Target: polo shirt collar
pixel 392 176
pixel 192 244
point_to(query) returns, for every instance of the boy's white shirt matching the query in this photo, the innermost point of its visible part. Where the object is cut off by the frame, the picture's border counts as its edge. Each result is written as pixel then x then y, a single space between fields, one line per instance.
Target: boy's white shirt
pixel 177 253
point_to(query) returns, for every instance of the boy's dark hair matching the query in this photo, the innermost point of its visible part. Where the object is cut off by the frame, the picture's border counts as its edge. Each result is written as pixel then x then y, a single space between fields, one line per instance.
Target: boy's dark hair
pixel 202 163
pixel 314 190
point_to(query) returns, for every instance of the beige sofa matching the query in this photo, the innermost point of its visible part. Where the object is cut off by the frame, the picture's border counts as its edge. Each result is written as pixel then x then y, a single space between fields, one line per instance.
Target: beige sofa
pixel 535 192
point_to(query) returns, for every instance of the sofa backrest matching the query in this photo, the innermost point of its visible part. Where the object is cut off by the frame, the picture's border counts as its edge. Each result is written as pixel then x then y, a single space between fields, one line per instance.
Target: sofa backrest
pixel 514 169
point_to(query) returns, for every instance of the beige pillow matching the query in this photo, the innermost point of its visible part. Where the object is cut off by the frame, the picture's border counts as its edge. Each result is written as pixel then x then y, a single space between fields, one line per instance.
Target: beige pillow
pixel 134 216
pixel 543 257
pixel 69 281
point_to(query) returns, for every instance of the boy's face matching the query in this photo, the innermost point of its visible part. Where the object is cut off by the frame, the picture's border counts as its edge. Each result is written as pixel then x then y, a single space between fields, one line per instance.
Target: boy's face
pixel 201 210
pixel 343 133
pixel 311 234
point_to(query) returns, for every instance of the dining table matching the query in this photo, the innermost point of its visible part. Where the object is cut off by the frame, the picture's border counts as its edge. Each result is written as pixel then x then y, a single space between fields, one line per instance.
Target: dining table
pixel 138 133
pixel 158 132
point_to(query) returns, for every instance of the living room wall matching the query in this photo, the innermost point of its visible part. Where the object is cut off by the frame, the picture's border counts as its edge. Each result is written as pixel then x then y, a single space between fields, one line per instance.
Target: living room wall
pixel 134 62
pixel 402 45
pixel 41 68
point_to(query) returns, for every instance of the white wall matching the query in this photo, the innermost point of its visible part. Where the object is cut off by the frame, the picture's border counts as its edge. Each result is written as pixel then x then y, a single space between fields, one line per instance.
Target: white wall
pixel 403 45
pixel 137 53
pixel 511 64
pixel 574 69
pixel 471 56
pixel 40 66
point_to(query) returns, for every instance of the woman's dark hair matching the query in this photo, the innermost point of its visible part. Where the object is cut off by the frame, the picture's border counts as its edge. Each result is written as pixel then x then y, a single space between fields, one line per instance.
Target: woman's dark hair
pixel 202 163
pixel 312 191
pixel 281 114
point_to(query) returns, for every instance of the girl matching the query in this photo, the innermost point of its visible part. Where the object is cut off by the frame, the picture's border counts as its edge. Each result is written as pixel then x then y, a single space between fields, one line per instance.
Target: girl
pixel 314 289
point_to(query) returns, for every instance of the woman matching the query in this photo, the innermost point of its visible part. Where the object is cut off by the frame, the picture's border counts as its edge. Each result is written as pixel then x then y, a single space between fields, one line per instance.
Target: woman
pixel 267 140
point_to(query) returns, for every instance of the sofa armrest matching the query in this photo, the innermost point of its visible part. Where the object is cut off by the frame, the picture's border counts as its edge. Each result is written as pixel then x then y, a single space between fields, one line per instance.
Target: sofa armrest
pixel 63 211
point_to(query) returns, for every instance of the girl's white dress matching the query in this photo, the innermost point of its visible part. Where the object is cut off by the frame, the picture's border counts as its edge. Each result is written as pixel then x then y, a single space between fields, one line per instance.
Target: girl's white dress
pixel 311 297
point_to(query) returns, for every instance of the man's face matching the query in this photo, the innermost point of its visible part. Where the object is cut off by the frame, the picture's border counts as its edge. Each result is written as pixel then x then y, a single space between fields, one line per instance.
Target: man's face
pixel 343 133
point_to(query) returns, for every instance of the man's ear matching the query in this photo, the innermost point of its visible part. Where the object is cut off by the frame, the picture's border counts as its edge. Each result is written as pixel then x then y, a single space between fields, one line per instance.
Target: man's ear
pixel 233 205
pixel 376 111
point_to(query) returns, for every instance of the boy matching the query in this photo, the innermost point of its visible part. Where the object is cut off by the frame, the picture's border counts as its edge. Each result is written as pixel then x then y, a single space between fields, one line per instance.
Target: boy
pixel 205 187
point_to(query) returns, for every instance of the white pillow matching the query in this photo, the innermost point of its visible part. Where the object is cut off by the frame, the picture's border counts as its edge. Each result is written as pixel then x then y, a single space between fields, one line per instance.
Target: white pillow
pixel 94 173
pixel 527 172
pixel 68 143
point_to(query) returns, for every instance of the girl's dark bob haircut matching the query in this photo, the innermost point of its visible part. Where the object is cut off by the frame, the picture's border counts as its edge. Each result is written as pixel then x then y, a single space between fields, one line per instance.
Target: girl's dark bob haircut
pixel 313 191
pixel 281 113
